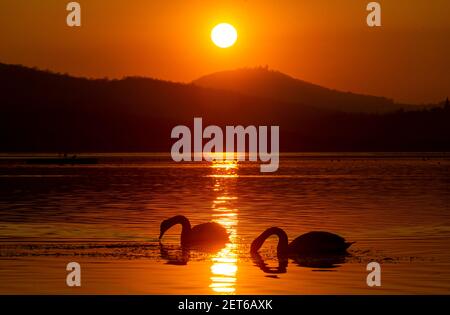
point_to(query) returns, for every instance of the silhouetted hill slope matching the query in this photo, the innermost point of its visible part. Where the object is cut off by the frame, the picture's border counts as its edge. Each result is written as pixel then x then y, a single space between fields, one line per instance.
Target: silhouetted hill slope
pixel 275 85
pixel 43 111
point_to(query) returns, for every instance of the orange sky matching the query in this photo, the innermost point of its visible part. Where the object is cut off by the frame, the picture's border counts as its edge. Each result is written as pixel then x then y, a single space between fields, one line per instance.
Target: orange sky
pixel 324 42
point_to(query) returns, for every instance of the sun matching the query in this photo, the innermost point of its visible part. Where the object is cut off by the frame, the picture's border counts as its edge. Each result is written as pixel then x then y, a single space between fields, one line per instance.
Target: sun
pixel 224 35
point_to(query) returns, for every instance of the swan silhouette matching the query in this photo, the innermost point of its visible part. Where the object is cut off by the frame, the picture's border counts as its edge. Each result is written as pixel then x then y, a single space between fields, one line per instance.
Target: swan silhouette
pixel 309 244
pixel 210 235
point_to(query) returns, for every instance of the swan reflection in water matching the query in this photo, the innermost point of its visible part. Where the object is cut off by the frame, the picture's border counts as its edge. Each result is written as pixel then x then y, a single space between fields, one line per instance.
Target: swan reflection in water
pixel 281 268
pixel 174 256
pixel 318 263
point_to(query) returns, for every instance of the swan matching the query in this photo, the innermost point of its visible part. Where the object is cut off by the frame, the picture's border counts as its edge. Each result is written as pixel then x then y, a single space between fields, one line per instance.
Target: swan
pixel 209 234
pixel 311 243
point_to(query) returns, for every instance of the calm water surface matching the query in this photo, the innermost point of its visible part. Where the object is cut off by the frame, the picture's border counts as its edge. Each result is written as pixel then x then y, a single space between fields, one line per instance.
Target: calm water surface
pixel 107 216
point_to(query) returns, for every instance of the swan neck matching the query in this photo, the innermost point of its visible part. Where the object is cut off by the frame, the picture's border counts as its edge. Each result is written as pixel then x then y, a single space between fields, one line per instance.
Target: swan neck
pixel 185 227
pixel 282 247
pixel 283 243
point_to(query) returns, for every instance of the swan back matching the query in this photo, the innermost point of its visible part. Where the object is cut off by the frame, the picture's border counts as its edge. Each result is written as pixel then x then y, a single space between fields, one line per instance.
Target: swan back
pixel 209 234
pixel 318 242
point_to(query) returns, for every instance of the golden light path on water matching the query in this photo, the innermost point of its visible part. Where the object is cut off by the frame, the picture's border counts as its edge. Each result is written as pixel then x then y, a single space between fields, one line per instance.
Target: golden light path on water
pixel 224 263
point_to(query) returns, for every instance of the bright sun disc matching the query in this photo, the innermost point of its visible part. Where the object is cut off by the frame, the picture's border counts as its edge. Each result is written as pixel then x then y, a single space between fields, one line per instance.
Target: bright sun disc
pixel 224 35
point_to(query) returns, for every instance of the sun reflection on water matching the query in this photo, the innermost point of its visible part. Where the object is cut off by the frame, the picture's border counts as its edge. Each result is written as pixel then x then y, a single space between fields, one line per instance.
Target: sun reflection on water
pixel 224 268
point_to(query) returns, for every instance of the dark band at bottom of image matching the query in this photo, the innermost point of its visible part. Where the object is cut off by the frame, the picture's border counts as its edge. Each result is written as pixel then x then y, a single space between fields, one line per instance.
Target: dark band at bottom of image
pixel 224 303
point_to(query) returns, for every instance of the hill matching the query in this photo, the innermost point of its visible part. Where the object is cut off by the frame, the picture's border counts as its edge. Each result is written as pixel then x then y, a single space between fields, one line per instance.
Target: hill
pixel 44 111
pixel 265 83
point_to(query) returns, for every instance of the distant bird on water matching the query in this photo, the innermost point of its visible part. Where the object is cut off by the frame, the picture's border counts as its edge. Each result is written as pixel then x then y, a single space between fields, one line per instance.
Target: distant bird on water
pixel 209 234
pixel 308 244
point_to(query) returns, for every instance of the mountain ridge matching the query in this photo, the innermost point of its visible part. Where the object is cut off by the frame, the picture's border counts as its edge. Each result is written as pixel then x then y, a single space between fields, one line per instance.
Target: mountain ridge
pixel 273 84
pixel 43 111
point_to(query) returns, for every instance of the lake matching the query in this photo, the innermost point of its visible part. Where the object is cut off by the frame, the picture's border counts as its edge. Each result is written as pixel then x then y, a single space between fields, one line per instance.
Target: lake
pixel 106 217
